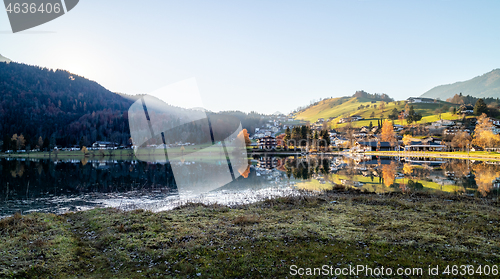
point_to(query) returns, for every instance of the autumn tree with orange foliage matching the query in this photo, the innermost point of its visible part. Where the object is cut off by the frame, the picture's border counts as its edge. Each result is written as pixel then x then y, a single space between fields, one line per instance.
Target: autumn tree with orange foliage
pixel 389 174
pixel 18 141
pixel 485 177
pixel 245 172
pixel 461 140
pixel 280 140
pixel 483 135
pixel 244 134
pixel 408 169
pixel 388 133
pixel 407 140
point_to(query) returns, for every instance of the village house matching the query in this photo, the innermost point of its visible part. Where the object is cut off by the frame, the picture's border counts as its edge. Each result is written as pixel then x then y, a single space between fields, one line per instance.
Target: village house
pixel 360 134
pixel 356 118
pixel 104 145
pixel 268 143
pixel 420 100
pixel 365 130
pixel 374 146
pixel 442 123
pixel 455 129
pixel 428 144
pixel 350 119
pixel 466 109
pixel 317 126
pixel 495 125
pixel 432 139
pixel 268 163
pixel 339 141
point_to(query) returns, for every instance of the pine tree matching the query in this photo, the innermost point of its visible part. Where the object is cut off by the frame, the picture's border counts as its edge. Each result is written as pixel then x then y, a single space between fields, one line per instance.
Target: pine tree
pixel 288 135
pixel 6 142
pixel 326 137
pixel 46 143
pixel 40 143
pixel 480 107
pixel 413 116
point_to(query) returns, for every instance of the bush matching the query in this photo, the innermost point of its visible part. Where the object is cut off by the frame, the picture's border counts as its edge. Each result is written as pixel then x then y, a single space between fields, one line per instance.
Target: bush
pixel 415 185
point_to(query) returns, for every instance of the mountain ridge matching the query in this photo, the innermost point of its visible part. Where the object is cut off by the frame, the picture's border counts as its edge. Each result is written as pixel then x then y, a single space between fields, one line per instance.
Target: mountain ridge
pixel 59 106
pixel 62 108
pixel 485 85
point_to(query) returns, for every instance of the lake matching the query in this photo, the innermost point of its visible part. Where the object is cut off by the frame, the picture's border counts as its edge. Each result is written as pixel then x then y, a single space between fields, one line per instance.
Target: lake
pixel 58 186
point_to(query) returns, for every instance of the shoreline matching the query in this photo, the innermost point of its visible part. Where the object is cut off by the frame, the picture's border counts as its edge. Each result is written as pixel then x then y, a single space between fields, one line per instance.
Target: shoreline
pixel 129 154
pixel 450 155
pixel 337 228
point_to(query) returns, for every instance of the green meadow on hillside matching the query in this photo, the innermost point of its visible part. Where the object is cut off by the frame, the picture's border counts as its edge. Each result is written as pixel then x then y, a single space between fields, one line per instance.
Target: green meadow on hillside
pixel 338 108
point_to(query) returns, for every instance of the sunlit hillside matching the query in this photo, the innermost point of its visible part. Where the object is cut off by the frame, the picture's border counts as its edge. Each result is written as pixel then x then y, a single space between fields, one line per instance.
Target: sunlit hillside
pixel 370 111
pixel 334 107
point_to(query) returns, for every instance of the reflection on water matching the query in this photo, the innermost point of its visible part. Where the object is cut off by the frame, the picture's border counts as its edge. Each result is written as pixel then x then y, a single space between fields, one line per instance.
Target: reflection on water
pixel 388 174
pixel 28 185
pixel 41 185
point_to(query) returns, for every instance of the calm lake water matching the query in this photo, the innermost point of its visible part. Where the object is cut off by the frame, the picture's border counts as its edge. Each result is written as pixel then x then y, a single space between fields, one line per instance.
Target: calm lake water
pixel 28 185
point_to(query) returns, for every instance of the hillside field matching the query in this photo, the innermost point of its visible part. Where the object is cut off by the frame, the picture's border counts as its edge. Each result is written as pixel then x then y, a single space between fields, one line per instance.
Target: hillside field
pixel 338 108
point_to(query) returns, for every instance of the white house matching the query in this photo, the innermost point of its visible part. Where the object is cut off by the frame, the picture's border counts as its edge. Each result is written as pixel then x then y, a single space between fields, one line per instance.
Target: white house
pixel 420 100
pixel 443 123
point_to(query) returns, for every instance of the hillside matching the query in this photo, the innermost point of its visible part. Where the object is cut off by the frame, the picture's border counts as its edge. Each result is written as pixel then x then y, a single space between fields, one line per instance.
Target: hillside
pixel 487 85
pixel 65 109
pixel 327 108
pixel 58 106
pixel 369 110
pixel 4 59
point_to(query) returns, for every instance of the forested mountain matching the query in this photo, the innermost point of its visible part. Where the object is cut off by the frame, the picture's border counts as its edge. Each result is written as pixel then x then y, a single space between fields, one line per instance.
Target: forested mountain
pixel 55 107
pixel 487 85
pixel 60 107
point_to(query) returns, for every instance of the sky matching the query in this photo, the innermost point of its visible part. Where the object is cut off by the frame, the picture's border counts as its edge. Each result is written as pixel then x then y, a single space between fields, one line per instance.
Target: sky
pixel 266 56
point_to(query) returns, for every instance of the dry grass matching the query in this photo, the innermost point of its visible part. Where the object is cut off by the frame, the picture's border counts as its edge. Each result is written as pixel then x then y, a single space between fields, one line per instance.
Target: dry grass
pixel 335 227
pixel 247 219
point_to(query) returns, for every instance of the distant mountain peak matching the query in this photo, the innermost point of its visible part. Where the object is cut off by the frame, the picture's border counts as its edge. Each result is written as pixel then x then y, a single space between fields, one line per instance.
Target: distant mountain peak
pixel 4 59
pixel 483 86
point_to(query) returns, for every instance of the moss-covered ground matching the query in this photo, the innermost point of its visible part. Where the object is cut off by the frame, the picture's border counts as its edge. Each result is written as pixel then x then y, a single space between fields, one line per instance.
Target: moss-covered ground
pixel 262 240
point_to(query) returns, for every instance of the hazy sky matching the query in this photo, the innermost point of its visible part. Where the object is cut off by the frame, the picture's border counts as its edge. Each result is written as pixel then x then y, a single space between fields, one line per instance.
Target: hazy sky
pixel 267 55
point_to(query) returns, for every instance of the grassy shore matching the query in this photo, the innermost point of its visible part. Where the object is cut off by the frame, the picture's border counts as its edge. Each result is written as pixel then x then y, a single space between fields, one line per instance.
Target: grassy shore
pixel 128 154
pixel 119 154
pixel 122 154
pixel 262 240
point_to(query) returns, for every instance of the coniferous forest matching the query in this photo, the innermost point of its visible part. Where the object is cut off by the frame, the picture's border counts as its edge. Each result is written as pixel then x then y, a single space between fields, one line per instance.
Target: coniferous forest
pixel 55 107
